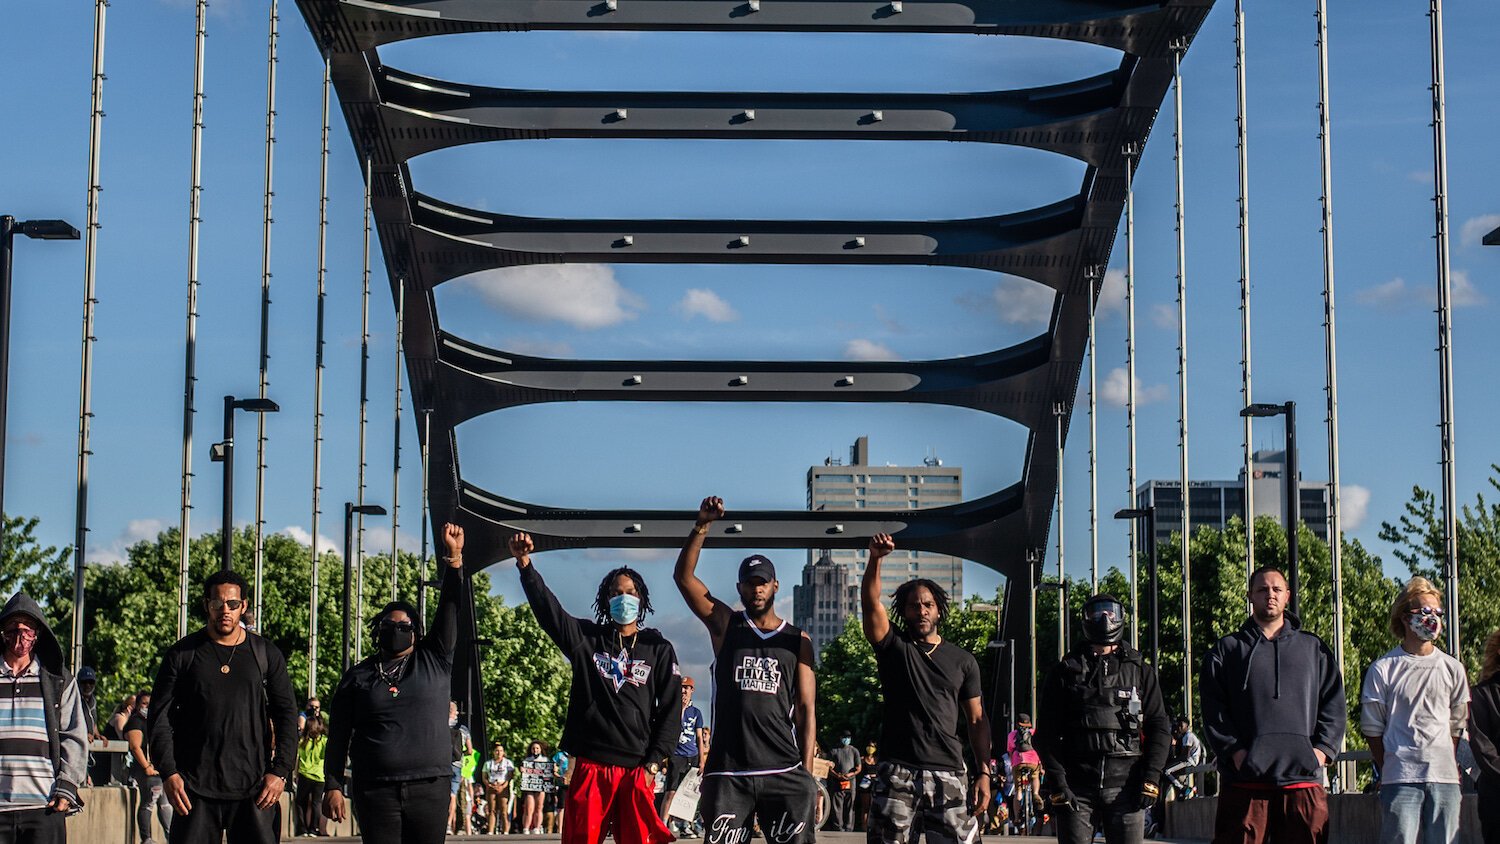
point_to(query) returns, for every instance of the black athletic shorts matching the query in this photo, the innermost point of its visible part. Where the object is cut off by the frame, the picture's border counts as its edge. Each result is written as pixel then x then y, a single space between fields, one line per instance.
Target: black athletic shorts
pixel 677 768
pixel 784 805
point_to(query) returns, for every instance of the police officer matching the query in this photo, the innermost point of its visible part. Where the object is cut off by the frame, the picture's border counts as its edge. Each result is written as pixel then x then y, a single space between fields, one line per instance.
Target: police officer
pixel 1104 734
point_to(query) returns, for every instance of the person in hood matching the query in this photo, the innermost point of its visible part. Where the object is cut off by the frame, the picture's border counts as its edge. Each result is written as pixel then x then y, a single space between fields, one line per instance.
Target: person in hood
pixel 1273 713
pixel 624 705
pixel 1413 709
pixel 1104 733
pixel 222 725
pixel 42 719
pixel 389 720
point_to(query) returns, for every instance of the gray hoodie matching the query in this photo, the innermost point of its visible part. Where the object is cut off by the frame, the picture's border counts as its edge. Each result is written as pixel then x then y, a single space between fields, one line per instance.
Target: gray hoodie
pixel 67 732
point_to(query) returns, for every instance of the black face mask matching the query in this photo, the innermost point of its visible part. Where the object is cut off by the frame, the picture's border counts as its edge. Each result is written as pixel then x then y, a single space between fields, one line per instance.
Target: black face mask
pixel 394 639
pixel 1103 622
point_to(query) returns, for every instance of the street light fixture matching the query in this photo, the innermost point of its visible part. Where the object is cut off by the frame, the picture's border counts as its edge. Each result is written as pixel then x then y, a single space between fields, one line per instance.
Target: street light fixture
pixel 36 230
pixel 223 452
pixel 1148 515
pixel 1293 494
pixel 350 508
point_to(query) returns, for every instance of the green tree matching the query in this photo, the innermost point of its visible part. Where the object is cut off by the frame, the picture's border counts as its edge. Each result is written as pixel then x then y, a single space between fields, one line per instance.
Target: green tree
pixel 44 573
pixel 1417 537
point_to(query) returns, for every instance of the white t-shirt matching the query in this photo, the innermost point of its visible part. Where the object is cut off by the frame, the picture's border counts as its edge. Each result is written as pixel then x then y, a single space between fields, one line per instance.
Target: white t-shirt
pixel 1417 705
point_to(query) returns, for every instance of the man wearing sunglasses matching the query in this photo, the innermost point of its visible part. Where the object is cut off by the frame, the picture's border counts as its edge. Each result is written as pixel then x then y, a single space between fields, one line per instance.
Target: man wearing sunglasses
pixel 223 725
pixel 1102 732
pixel 389 720
pixel 1273 712
pixel 1413 708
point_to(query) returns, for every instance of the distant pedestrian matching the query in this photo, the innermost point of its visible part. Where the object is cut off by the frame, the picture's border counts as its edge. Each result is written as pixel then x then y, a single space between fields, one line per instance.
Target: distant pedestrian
pixel 1484 738
pixel 496 775
pixel 1273 712
pixel 1022 759
pixel 930 691
pixel 689 755
pixel 1186 754
pixel 389 720
pixel 624 704
pixel 223 725
pixel 312 752
pixel 144 775
pixel 45 747
pixel 1413 710
pixel 867 765
pixel 536 776
pixel 841 777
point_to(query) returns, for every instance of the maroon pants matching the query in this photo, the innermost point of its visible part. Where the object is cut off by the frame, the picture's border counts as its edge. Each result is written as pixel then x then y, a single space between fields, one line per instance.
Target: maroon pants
pixel 1279 816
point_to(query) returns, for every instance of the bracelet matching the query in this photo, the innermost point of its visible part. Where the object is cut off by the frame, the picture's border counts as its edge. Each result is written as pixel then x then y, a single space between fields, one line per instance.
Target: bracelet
pixel 700 530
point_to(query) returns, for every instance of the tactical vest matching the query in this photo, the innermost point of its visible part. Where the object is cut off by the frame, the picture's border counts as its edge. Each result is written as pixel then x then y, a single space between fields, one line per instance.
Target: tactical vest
pixel 1108 706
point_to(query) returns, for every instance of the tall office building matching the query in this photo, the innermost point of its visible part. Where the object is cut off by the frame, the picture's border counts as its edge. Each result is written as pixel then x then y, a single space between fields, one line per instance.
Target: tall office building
pixel 829 593
pixel 1214 502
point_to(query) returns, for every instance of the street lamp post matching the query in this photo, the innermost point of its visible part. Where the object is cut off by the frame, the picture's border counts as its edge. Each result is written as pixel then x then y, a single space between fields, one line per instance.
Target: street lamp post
pixel 1293 491
pixel 1148 515
pixel 350 508
pixel 224 453
pixel 37 230
pixel 1062 588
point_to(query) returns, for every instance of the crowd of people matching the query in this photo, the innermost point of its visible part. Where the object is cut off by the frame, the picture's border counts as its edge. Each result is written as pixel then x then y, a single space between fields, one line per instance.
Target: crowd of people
pixel 217 738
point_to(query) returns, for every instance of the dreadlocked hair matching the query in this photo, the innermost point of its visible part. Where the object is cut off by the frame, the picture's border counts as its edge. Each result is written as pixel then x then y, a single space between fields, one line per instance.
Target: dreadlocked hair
pixel 904 593
pixel 601 600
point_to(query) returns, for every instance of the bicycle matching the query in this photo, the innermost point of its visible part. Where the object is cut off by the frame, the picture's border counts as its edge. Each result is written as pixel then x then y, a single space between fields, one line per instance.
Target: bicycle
pixel 1026 817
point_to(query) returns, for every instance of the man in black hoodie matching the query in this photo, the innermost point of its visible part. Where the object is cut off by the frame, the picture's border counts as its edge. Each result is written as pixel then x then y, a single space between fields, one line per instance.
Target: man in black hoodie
pixel 1103 732
pixel 624 706
pixel 1273 712
pixel 41 716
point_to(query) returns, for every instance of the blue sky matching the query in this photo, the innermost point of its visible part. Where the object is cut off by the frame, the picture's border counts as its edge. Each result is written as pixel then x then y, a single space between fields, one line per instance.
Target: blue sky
pixel 672 455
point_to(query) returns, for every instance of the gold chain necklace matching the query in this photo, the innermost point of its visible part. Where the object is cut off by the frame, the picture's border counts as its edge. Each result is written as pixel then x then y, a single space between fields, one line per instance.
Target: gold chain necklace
pixel 224 666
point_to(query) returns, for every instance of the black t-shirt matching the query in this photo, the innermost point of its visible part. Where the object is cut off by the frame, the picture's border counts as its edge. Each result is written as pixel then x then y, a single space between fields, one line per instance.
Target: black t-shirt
pixel 755 694
pixel 923 693
pixel 137 721
pixel 211 725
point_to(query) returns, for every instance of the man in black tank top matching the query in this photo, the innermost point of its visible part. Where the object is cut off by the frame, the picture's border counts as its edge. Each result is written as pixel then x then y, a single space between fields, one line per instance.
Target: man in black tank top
pixel 760 760
pixel 929 687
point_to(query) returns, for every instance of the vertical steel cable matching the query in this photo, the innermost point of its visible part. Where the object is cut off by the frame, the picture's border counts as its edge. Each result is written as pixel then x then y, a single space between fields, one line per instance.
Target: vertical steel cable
pixel 364 416
pixel 1178 48
pixel 422 564
pixel 190 344
pixel 1242 138
pixel 1445 325
pixel 1132 155
pixel 1093 447
pixel 396 438
pixel 86 370
pixel 265 316
pixel 1058 412
pixel 317 467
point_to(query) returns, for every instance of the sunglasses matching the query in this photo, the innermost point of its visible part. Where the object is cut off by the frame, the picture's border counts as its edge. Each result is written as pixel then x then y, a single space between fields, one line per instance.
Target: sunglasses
pixel 1433 611
pixel 232 604
pixel 398 626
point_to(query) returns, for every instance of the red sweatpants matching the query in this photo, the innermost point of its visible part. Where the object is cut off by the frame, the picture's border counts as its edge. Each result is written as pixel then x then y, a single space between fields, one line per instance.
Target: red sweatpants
pixel 602 798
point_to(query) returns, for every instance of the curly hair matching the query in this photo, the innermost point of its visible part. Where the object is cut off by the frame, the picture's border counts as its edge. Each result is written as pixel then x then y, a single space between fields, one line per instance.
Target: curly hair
pixel 1491 657
pixel 601 600
pixel 904 593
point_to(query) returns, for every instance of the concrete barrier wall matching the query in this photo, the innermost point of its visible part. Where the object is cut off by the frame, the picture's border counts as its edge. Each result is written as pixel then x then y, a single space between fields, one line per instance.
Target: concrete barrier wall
pixel 108 817
pixel 1352 819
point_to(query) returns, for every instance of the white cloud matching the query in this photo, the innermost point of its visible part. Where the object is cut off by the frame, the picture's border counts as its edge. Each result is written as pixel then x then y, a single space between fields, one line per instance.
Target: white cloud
pixel 1475 228
pixel 136 530
pixel 1465 293
pixel 1164 316
pixel 300 534
pixel 378 539
pixel 862 349
pixel 538 348
pixel 1354 501
pixel 1112 294
pixel 585 296
pixel 705 303
pixel 1020 302
pixel 1386 293
pixel 1114 390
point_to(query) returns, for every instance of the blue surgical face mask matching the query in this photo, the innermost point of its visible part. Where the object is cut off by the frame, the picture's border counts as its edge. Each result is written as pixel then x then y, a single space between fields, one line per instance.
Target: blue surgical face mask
pixel 844 741
pixel 624 609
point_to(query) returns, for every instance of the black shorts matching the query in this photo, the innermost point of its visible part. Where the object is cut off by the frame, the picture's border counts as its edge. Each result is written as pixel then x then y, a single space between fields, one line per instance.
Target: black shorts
pixel 784 804
pixel 677 769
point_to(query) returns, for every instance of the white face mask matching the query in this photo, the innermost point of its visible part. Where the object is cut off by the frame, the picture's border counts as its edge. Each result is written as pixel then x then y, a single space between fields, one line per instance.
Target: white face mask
pixel 1426 627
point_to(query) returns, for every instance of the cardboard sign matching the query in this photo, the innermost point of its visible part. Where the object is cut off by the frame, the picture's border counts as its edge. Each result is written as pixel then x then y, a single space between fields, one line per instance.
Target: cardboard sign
pixel 685 803
pixel 536 775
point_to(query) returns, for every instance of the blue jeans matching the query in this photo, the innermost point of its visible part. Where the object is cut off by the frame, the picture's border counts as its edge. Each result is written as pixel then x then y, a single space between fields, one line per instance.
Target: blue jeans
pixel 1419 813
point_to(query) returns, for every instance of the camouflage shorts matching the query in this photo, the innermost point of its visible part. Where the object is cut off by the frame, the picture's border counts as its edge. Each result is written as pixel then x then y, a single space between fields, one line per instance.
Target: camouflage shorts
pixel 906 802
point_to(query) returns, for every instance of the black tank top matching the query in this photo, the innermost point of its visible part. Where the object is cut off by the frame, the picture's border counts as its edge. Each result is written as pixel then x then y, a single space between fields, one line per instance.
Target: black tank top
pixel 755 693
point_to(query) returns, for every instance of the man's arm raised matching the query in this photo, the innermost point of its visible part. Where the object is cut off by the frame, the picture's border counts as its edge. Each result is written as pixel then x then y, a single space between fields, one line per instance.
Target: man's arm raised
pixel 713 612
pixel 873 616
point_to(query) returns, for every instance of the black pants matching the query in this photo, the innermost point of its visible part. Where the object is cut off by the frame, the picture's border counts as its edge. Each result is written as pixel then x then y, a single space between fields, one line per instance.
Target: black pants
pixel 409 812
pixel 211 819
pixel 309 813
pixel 33 826
pixel 841 812
pixel 1114 810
